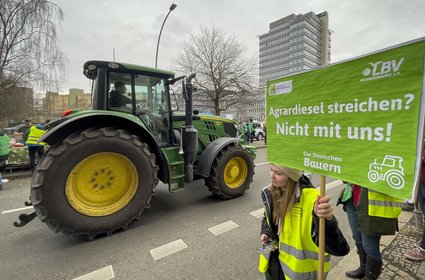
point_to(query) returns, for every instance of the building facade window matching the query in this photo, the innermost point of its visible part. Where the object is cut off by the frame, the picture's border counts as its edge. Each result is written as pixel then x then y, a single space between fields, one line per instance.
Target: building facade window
pixel 294 43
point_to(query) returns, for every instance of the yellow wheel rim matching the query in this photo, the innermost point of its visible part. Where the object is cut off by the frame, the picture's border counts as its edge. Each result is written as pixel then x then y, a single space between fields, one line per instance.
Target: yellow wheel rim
pixel 235 172
pixel 101 184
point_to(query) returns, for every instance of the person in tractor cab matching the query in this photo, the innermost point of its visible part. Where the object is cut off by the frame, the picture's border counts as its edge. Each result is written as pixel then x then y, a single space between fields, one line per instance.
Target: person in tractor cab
pixel 117 98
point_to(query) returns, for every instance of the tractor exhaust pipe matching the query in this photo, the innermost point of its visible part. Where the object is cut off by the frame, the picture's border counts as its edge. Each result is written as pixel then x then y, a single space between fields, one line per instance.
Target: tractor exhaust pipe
pixel 188 92
pixel 190 134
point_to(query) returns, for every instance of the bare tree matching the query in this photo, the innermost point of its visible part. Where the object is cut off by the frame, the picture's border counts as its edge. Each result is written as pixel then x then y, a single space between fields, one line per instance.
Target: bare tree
pixel 17 104
pixel 30 52
pixel 224 75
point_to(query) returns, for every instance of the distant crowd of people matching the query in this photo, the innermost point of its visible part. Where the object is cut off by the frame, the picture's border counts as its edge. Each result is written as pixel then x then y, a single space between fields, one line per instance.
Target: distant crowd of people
pixel 248 130
pixel 28 135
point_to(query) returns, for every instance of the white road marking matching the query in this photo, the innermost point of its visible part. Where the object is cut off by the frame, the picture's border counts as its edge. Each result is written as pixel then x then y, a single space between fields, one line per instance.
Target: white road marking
pixel 262 163
pixel 105 273
pixel 222 228
pixel 16 210
pixel 168 249
pixel 258 213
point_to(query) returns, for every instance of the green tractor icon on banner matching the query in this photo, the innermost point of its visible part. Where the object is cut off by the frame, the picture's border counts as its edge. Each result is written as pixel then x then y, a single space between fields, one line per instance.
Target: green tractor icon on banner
pixel 390 170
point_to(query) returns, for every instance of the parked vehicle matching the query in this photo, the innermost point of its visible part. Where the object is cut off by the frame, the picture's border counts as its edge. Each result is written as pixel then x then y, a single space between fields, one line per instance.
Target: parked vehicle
pixel 259 133
pixel 10 130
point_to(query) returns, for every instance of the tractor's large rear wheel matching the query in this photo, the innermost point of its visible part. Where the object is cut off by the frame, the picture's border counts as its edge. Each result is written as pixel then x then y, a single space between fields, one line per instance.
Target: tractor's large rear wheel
pixel 94 183
pixel 231 173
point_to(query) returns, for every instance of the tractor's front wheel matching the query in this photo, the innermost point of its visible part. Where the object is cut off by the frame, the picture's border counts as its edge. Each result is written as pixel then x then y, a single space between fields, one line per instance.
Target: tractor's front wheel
pixel 94 183
pixel 231 173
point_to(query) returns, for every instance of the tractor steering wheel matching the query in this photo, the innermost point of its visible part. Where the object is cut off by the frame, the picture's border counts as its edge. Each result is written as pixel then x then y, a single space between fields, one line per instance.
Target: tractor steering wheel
pixel 143 107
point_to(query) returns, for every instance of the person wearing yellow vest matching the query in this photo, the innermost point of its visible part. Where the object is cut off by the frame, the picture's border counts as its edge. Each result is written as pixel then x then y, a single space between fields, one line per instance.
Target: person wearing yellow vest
pixel 292 208
pixel 370 214
pixel 34 134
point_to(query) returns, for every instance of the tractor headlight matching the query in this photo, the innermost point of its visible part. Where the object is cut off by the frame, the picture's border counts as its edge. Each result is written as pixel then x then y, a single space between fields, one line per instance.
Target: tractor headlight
pixel 113 65
pixel 91 67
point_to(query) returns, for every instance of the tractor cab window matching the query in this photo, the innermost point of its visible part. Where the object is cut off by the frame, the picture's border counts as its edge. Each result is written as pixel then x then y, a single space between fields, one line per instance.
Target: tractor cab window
pixel 151 104
pixel 146 94
pixel 149 95
pixel 119 96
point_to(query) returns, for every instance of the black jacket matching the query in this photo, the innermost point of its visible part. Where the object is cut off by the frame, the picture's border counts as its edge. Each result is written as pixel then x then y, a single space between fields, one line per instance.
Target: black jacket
pixel 370 224
pixel 117 99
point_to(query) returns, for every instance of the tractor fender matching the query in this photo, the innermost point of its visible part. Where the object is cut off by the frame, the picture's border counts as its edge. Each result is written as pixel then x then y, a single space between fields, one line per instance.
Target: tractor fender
pixel 210 153
pixel 99 119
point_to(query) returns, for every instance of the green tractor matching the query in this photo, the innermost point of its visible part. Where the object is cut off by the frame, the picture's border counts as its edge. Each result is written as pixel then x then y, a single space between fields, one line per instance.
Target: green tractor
pixel 102 165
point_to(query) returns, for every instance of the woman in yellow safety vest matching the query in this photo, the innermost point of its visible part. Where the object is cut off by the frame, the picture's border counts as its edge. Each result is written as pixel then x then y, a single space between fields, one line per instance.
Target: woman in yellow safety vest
pixel 370 214
pixel 290 227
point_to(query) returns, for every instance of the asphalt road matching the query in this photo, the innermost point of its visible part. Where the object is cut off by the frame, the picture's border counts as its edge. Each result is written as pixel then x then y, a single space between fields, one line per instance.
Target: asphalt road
pixel 210 238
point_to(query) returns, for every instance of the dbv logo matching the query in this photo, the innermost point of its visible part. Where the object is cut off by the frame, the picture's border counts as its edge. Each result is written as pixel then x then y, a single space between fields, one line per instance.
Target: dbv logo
pixel 383 67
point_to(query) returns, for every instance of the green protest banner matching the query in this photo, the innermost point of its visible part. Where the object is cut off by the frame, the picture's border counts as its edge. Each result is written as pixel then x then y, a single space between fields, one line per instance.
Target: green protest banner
pixel 358 120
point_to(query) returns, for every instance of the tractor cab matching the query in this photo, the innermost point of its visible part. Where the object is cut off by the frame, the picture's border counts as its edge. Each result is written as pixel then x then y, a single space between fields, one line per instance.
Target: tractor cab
pixel 132 89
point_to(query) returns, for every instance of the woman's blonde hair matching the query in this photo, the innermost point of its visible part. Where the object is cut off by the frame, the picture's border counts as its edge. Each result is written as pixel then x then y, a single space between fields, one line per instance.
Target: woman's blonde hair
pixel 283 200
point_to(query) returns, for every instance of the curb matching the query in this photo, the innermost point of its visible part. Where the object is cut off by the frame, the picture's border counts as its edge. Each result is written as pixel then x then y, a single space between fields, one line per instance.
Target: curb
pixel 16 175
pixel 259 144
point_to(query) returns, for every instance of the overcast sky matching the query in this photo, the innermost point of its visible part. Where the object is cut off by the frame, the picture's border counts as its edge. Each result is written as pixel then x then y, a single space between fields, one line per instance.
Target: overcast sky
pixel 91 29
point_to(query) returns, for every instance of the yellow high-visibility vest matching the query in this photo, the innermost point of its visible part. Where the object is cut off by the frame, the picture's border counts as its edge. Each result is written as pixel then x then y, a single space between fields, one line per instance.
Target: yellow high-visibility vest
pixel 382 205
pixel 35 135
pixel 298 254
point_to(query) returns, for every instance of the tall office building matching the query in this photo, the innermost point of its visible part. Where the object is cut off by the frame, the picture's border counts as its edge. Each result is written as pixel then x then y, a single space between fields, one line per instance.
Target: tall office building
pixel 294 43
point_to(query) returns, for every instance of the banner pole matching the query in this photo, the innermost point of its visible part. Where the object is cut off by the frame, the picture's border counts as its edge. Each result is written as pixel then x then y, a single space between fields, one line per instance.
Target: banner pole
pixel 322 231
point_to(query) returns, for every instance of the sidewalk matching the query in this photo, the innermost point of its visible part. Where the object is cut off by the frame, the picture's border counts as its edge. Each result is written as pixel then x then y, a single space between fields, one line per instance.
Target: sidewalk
pixel 16 174
pixel 259 144
pixel 396 266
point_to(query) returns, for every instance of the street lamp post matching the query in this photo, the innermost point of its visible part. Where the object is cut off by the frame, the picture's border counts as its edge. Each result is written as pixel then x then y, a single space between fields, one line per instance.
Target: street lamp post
pixel 172 7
